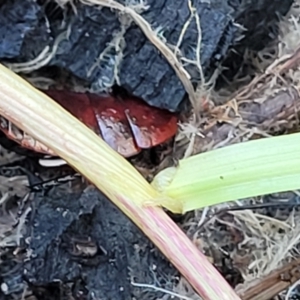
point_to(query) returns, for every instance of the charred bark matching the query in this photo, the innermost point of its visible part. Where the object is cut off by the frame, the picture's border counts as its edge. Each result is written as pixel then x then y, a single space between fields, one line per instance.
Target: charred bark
pixel 27 27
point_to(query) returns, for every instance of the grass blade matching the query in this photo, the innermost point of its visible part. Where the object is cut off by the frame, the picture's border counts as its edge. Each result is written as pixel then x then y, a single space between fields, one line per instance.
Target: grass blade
pixel 249 169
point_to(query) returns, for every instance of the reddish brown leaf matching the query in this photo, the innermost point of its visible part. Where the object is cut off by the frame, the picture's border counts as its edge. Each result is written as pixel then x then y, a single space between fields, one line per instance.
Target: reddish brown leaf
pixel 126 124
pixel 113 124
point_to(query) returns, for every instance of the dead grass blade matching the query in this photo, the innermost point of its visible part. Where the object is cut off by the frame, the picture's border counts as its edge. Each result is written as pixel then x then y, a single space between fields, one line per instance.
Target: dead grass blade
pixel 270 103
pixel 271 285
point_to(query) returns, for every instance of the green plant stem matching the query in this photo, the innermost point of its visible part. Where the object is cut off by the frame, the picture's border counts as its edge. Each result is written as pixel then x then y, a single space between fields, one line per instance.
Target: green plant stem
pixel 46 121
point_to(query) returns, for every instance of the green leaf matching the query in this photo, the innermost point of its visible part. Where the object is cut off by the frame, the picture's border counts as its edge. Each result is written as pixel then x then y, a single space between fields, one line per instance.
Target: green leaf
pixel 234 172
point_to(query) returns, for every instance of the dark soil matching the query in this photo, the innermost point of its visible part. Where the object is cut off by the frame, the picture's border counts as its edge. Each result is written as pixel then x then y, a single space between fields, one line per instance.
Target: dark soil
pixel 78 244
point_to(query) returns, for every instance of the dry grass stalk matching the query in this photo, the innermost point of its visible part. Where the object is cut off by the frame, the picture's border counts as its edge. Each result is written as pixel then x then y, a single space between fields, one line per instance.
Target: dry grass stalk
pixel 268 104
pixel 271 285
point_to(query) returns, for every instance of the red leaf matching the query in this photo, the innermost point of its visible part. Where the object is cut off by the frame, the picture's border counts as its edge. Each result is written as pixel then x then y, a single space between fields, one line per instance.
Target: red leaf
pixel 150 126
pixel 126 124
pixel 113 124
pixel 78 104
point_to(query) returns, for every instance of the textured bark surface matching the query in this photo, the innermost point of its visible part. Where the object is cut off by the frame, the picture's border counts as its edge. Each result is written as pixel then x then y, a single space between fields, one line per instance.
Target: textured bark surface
pixel 28 27
pixel 83 239
pixel 143 70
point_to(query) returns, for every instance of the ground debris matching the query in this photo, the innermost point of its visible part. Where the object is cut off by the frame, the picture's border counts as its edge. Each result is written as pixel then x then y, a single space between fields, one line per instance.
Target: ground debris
pixel 268 105
pixel 271 285
pixel 73 241
pixel 83 240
